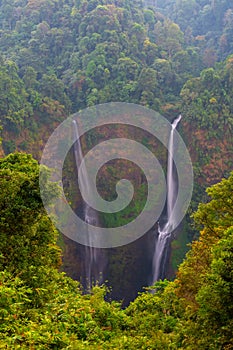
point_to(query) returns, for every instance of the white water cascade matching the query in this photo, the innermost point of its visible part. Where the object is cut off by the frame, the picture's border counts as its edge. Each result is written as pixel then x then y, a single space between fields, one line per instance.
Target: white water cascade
pixel 94 257
pixel 164 232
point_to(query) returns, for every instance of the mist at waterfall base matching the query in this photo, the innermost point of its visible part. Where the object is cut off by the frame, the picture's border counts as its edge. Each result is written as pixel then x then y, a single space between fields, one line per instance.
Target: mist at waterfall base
pixel 127 269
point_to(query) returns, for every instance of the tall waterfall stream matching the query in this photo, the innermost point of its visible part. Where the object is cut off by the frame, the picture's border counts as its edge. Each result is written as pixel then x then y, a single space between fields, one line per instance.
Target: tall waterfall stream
pixel 164 231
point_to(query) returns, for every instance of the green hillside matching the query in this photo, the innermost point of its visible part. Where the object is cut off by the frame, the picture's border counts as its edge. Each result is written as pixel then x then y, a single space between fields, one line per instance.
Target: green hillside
pixel 58 57
pixel 43 309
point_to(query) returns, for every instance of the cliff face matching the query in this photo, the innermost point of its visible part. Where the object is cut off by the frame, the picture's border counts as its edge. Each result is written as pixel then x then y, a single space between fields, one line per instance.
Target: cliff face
pixel 128 268
pixel 131 265
pixel 212 154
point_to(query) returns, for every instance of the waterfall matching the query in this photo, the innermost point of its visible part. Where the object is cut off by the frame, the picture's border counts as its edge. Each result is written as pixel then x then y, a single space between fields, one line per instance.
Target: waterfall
pixel 93 257
pixel 164 231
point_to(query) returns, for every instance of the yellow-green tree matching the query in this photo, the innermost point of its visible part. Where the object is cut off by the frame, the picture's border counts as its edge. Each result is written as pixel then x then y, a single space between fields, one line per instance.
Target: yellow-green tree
pixel 28 238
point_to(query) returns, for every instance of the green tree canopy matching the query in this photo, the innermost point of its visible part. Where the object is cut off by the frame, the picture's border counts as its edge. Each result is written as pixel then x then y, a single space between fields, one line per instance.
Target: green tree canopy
pixel 28 238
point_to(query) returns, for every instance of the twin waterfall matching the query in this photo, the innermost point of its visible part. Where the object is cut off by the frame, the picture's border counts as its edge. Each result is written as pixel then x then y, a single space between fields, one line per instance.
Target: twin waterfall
pixel 164 231
pixel 94 258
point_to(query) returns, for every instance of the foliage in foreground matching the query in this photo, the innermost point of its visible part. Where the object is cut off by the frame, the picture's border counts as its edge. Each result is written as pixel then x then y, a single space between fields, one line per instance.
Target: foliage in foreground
pixel 41 308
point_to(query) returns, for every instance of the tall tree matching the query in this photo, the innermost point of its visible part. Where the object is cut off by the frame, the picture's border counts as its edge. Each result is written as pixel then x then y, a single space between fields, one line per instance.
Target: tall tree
pixel 28 238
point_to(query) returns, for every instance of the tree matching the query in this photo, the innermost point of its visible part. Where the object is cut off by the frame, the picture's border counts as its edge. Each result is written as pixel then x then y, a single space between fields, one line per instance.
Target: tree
pixel 14 106
pixel 127 68
pixel 28 238
pixel 30 78
pixel 215 217
pixel 54 88
pixel 215 296
pixel 169 37
pixel 147 80
pixel 151 51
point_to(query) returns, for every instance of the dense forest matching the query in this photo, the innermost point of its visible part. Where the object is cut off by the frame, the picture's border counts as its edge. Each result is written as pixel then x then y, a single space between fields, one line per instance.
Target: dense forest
pixel 43 309
pixel 58 57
